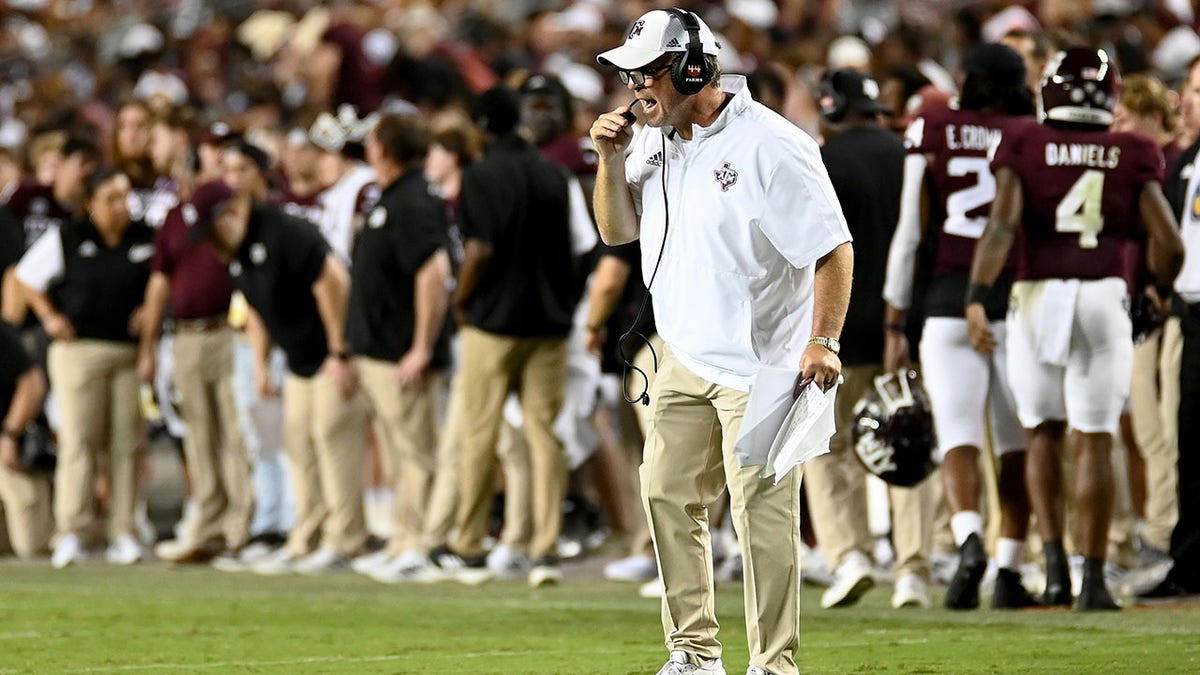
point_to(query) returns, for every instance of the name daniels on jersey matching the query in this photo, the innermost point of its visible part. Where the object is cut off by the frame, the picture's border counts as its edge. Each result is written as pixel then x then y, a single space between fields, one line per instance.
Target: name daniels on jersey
pixel 971 137
pixel 1082 154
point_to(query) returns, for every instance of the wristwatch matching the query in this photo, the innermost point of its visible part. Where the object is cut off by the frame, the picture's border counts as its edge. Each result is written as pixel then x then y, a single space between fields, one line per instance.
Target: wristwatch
pixel 829 343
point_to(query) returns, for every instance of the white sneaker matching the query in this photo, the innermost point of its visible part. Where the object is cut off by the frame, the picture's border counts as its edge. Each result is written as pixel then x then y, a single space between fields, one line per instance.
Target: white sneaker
pixel 911 591
pixel 282 561
pixel 545 575
pixel 680 663
pixel 124 550
pixel 730 569
pixel 408 567
pixel 323 561
pixel 365 564
pixel 850 581
pixel 67 551
pixel 944 565
pixel 755 670
pixel 633 568
pixel 652 588
pixel 507 563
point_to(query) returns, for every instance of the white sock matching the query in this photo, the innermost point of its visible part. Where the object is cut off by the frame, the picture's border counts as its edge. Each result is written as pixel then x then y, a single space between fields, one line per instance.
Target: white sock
pixel 965 523
pixel 1009 553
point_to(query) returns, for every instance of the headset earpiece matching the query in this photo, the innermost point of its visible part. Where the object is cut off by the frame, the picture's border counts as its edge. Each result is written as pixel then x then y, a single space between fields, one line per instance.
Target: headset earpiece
pixel 690 71
pixel 830 101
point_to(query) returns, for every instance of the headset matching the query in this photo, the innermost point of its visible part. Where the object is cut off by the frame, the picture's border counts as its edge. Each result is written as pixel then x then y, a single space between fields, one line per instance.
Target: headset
pixel 831 102
pixel 690 71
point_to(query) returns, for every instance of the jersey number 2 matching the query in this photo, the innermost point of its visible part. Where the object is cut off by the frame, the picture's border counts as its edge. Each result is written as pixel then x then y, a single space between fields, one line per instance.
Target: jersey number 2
pixel 1080 210
pixel 966 200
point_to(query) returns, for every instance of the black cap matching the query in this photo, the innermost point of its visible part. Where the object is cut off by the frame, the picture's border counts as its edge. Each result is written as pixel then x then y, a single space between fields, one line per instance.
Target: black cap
pixel 997 63
pixel 496 111
pixel 848 89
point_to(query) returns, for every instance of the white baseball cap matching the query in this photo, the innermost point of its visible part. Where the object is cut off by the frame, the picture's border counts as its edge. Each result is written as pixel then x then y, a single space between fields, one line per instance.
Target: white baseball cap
pixel 656 33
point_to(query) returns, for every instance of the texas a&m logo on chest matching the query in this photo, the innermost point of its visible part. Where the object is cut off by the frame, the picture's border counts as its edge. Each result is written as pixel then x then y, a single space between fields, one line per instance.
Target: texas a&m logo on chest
pixel 726 176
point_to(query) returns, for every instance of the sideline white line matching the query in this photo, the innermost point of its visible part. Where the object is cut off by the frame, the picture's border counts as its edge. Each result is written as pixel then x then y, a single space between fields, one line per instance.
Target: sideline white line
pixel 20 635
pixel 235 664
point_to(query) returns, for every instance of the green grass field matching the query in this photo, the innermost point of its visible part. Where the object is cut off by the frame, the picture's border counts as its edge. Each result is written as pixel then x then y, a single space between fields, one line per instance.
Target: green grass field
pixel 97 619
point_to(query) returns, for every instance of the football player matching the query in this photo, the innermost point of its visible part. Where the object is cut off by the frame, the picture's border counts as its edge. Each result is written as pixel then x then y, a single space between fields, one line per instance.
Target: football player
pixel 1077 195
pixel 951 144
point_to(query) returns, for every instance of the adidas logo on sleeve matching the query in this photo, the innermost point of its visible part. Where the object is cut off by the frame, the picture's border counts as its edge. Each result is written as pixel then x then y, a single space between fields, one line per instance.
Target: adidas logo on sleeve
pixel 656 159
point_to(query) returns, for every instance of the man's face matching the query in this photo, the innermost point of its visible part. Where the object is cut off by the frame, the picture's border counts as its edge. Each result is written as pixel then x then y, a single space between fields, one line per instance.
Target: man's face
pixel 133 131
pixel 376 158
pixel 662 105
pixel 440 163
pixel 72 172
pixel 1189 101
pixel 300 161
pixel 229 226
pixel 242 174
pixel 543 116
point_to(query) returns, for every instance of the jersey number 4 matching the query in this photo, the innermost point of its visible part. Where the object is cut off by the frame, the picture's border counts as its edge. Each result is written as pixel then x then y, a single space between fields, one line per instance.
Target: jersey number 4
pixel 1080 210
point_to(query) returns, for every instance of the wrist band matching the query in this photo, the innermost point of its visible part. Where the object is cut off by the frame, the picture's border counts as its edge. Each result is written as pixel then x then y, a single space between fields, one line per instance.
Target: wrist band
pixel 977 293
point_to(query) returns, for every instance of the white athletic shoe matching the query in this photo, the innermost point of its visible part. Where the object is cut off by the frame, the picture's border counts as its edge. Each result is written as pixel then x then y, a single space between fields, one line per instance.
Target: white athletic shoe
pixel 652 588
pixel 67 551
pixel 323 561
pixel 910 591
pixel 365 564
pixel 280 562
pixel 507 563
pixel 633 568
pixel 755 670
pixel 545 572
pixel 124 550
pixel 680 663
pixel 850 581
pixel 408 567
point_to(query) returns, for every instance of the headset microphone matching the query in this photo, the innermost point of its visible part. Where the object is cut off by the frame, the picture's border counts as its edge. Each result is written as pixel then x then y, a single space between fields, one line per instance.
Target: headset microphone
pixel 628 114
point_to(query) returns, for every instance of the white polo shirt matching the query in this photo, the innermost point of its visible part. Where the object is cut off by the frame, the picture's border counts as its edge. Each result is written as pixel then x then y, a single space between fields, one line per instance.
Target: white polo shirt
pixel 751 211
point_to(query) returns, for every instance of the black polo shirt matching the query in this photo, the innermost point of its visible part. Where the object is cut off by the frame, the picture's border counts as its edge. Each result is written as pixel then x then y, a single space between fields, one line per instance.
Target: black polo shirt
pixel 625 316
pixel 14 363
pixel 100 285
pixel 275 268
pixel 866 167
pixel 407 226
pixel 12 239
pixel 517 201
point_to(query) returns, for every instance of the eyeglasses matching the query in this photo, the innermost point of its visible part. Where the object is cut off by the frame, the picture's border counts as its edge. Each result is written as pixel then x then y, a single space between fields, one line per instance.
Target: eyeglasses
pixel 638 77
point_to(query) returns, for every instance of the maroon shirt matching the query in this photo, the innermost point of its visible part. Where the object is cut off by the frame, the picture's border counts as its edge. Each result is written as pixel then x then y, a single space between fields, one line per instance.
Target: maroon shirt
pixel 37 209
pixel 200 285
pixel 1081 190
pixel 357 79
pixel 958 142
pixel 307 207
pixel 573 152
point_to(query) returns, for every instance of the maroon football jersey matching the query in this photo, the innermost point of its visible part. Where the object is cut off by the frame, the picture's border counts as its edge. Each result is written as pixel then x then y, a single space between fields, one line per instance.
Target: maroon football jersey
pixel 308 207
pixel 959 143
pixel 34 204
pixel 1081 190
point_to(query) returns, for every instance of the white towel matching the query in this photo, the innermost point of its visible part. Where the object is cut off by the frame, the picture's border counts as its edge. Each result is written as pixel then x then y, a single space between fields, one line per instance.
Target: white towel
pixel 805 433
pixel 1056 314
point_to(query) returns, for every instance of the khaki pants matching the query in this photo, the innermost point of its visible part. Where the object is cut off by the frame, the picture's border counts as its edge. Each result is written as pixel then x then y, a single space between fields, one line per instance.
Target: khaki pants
pixel 443 494
pixel 688 462
pixel 513 453
pixel 838 499
pixel 217 463
pixel 406 426
pixel 325 437
pixel 1155 428
pixel 95 386
pixel 25 521
pixel 493 365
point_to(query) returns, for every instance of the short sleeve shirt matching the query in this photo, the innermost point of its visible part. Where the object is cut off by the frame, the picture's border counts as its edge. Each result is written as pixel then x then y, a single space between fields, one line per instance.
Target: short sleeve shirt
pixel 200 286
pixel 14 362
pixel 275 267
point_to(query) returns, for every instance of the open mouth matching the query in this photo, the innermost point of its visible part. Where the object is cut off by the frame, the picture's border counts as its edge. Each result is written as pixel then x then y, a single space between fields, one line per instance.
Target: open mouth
pixel 649 104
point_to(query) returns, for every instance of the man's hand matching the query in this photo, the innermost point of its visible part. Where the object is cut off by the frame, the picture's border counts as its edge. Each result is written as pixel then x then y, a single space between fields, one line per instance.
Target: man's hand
pixel 593 340
pixel 146 365
pixel 895 351
pixel 59 327
pixel 10 455
pixel 262 382
pixel 136 318
pixel 979 329
pixel 411 368
pixel 822 365
pixel 611 133
pixel 343 374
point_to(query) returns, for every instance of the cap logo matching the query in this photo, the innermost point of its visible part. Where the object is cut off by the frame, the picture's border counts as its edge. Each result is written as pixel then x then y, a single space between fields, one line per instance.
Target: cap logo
pixel 673 43
pixel 636 30
pixel 870 89
pixel 258 253
pixel 189 214
pixel 1089 73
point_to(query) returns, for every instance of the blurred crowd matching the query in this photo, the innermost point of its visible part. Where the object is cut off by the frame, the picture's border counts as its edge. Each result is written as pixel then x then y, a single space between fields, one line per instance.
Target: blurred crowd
pixel 278 100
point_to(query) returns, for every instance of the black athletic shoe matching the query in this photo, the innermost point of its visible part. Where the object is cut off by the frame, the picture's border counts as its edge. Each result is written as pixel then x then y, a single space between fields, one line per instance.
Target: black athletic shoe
pixel 1010 593
pixel 963 592
pixel 1058 577
pixel 1094 597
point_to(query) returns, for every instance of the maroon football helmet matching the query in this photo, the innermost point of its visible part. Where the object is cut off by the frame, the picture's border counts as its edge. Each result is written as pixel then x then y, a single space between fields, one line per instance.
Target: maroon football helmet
pixel 1079 86
pixel 893 430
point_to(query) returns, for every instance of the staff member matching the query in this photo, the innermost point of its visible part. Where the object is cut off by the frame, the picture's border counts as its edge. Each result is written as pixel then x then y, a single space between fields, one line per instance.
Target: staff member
pixel 197 284
pixel 297 290
pixel 755 271
pixel 398 299
pixel 85 282
pixel 24 497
